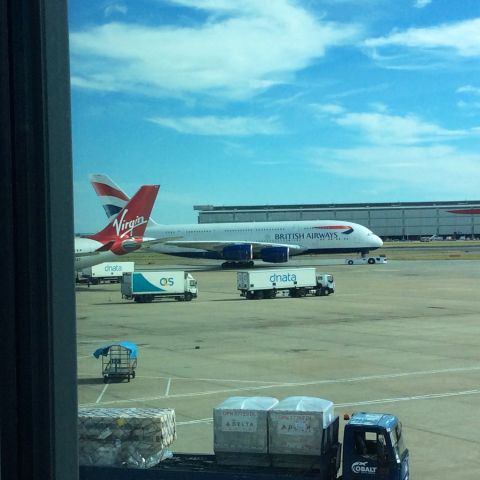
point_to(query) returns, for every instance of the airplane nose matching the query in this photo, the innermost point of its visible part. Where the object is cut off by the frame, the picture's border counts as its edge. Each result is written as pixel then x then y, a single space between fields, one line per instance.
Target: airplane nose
pixel 378 242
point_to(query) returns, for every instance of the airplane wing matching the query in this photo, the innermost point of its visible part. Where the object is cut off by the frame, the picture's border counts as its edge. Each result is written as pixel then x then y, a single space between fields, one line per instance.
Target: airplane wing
pixel 87 254
pixel 150 242
pixel 218 246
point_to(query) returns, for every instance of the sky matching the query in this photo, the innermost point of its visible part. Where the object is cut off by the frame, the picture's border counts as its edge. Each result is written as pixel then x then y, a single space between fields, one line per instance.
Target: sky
pixel 247 102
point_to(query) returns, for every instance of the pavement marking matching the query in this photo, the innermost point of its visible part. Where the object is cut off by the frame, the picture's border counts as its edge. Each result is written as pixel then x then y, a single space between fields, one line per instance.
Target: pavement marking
pixel 169 383
pixel 101 395
pixel 340 380
pixel 198 379
pixel 291 384
pixel 368 402
pixel 410 398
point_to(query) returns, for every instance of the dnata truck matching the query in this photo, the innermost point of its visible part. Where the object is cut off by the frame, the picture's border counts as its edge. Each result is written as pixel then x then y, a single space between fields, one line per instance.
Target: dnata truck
pixel 293 282
pixel 107 272
pixel 144 287
pixel 299 444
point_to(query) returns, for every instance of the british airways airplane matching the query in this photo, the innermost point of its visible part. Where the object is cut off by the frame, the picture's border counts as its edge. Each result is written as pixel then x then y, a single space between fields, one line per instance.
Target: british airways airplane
pixel 123 234
pixel 241 243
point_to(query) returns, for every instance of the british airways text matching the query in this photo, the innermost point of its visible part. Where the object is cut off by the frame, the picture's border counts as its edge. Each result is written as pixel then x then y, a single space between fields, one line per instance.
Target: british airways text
pixel 303 236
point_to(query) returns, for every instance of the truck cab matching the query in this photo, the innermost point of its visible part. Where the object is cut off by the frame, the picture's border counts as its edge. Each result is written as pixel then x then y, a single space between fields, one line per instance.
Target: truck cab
pixel 325 284
pixel 373 448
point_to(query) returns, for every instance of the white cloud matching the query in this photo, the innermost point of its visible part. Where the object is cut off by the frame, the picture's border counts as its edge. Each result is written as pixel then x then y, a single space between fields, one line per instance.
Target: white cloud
pixel 327 108
pixel 221 126
pixel 469 89
pixel 404 151
pixel 436 169
pixel 463 38
pixel 422 3
pixel 244 48
pixel 115 8
pixel 468 106
pixel 380 128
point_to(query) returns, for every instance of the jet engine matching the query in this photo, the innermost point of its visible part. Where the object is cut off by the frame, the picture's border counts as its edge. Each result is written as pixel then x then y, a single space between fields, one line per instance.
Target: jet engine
pixel 122 247
pixel 238 253
pixel 275 254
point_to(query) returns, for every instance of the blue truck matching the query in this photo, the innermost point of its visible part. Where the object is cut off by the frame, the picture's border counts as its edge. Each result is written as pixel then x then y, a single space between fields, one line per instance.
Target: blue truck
pixel 373 448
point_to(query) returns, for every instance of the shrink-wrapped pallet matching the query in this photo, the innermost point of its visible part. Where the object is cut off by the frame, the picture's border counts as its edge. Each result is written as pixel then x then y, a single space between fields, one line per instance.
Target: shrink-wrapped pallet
pixel 134 437
pixel 240 426
pixel 296 429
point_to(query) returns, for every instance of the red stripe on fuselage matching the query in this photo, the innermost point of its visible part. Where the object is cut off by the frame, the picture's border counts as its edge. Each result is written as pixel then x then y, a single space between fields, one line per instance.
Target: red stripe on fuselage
pixel 105 190
pixel 469 211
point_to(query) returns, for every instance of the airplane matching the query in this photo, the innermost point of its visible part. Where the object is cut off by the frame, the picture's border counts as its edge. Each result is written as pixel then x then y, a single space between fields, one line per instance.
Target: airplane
pixel 241 243
pixel 123 234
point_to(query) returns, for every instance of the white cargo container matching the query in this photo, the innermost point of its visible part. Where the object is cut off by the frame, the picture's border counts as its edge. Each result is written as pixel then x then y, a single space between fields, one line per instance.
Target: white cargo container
pixel 297 427
pixel 293 282
pixel 240 431
pixel 144 287
pixel 107 272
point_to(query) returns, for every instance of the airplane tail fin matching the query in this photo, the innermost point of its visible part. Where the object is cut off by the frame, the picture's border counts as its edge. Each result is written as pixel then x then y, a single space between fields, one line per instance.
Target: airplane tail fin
pixel 113 198
pixel 125 231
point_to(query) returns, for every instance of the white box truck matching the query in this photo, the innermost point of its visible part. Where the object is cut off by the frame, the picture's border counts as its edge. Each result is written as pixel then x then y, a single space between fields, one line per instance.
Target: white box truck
pixel 144 287
pixel 293 282
pixel 107 272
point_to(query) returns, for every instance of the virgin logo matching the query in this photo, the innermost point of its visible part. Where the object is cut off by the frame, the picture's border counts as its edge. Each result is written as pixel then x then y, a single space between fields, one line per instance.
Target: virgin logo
pixel 123 227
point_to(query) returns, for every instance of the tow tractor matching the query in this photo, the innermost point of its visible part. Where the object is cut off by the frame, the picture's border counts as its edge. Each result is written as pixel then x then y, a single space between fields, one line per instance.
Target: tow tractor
pixel 363 260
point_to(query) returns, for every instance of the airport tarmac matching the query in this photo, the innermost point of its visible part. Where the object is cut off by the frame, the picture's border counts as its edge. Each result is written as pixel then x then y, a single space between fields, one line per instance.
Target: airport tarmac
pixel 402 338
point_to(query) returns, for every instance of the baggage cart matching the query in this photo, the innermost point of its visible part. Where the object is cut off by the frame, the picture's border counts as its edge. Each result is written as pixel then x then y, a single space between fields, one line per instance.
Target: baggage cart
pixel 119 361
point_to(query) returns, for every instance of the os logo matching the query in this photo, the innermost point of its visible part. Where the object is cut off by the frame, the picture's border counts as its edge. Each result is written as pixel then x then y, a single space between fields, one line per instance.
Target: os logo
pixel 166 282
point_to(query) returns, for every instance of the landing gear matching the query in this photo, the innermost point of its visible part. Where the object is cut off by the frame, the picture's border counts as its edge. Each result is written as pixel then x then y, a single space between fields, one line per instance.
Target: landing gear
pixel 227 265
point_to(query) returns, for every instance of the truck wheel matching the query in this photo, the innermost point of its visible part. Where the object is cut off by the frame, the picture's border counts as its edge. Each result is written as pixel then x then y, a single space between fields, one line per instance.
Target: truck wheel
pixel 371 261
pixel 188 297
pixel 350 262
pixel 259 294
pixel 133 374
pixel 249 295
pixel 105 379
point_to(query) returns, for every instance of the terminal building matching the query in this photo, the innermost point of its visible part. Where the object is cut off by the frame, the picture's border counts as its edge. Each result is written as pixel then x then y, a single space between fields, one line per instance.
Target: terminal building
pixel 395 221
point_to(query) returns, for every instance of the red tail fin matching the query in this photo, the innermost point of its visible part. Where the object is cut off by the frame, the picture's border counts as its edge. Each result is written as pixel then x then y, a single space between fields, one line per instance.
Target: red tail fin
pixel 131 221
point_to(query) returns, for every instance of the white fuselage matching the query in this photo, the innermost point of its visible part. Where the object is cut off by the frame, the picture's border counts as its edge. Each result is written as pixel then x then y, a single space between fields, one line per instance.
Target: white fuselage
pixel 321 236
pixel 86 254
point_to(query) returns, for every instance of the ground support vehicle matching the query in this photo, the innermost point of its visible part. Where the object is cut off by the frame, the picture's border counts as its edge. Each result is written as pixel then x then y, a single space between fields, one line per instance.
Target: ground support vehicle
pixel 373 448
pixel 293 282
pixel 144 287
pixel 119 361
pixel 107 272
pixel 366 260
